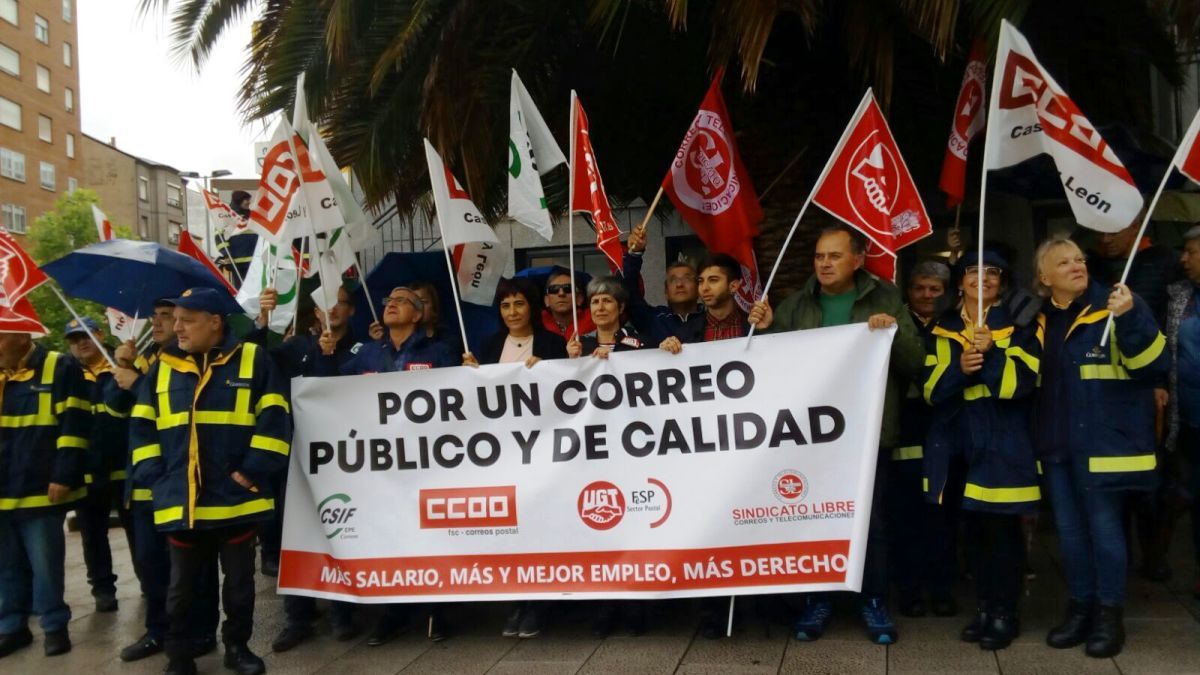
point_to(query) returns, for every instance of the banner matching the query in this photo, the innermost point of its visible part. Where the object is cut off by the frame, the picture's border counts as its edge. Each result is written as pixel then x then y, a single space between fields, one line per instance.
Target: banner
pixel 646 475
pixel 532 151
pixel 968 121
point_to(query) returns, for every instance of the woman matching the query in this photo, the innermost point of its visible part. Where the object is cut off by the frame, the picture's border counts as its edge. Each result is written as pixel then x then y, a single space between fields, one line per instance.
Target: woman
pixel 522 339
pixel 607 298
pixel 1094 434
pixel 979 377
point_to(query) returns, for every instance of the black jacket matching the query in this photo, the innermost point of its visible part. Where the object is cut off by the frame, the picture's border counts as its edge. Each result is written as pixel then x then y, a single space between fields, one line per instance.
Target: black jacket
pixel 546 345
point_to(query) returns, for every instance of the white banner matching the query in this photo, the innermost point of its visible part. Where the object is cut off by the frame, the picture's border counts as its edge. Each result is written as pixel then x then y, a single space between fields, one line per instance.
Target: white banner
pixel 724 469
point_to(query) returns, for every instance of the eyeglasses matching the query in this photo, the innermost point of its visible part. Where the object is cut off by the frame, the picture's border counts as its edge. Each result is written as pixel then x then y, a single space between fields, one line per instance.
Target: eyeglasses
pixel 558 289
pixel 680 278
pixel 990 271
pixel 394 299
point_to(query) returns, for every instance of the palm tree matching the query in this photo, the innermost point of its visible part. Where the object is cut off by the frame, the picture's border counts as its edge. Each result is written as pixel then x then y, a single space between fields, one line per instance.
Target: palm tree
pixel 380 74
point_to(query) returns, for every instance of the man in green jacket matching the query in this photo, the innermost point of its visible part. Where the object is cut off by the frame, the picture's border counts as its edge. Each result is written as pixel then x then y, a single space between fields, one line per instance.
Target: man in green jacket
pixel 842 292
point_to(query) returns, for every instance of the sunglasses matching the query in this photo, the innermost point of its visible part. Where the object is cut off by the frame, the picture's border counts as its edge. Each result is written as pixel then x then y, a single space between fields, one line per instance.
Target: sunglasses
pixel 558 289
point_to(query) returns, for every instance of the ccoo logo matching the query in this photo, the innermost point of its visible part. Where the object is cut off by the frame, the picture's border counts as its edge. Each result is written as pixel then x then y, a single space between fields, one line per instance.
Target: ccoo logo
pixel 601 505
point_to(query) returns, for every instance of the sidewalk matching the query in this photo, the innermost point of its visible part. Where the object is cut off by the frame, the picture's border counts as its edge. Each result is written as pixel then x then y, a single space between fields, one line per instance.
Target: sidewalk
pixel 1163 622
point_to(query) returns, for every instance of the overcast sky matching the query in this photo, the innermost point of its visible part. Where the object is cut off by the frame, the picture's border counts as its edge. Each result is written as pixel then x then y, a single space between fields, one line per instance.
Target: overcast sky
pixel 133 89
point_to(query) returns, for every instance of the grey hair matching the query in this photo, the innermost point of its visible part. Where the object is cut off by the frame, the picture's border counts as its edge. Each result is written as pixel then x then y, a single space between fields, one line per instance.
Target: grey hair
pixel 1192 235
pixel 608 286
pixel 1039 256
pixel 931 268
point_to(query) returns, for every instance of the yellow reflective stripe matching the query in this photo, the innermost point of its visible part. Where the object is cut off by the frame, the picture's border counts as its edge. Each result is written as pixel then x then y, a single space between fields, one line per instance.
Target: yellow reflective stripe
pixel 924 485
pixel 72 402
pixel 268 400
pixel 172 420
pixel 241 401
pixel 1025 357
pixel 1147 356
pixel 229 512
pixel 1122 464
pixel 117 474
pixel 976 391
pixel 143 411
pixel 146 452
pixel 908 452
pixel 141 495
pixel 232 418
pixel 930 360
pixel 87 479
pixel 35 420
pixel 1105 372
pixel 72 442
pixel 942 358
pixel 1013 495
pixel 105 410
pixel 1039 467
pixel 168 514
pixel 10 503
pixel 48 367
pixel 246 364
pixel 269 444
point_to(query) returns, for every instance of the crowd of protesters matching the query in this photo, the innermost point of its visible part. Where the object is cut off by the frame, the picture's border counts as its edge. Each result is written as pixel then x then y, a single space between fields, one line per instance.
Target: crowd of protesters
pixel 989 417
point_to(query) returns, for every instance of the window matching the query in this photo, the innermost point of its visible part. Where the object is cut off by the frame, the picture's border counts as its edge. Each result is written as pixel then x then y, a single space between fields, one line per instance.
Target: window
pixel 67 54
pixel 71 146
pixel 8 11
pixel 41 29
pixel 45 129
pixel 174 195
pixel 13 218
pixel 43 79
pixel 67 11
pixel 69 99
pixel 72 185
pixel 10 114
pixel 173 231
pixel 143 188
pixel 10 61
pixel 12 164
pixel 48 181
pixel 144 227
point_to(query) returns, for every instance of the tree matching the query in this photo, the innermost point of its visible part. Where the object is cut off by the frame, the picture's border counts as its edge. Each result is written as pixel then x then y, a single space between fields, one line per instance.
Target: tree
pixel 57 232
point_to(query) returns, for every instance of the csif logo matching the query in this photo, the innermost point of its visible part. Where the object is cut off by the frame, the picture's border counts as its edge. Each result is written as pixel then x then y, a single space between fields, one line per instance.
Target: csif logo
pixel 335 510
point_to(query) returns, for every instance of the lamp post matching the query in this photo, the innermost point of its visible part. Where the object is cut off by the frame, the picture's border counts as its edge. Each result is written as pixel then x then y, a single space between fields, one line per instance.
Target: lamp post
pixel 219 173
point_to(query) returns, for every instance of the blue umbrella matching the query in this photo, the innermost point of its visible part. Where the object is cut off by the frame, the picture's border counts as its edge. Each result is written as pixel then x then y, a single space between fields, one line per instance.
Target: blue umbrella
pixel 402 269
pixel 539 275
pixel 130 275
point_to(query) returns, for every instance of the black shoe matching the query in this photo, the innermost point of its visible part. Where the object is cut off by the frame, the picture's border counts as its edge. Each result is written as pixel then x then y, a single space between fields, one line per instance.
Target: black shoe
pixel 1002 628
pixel 386 629
pixel 106 602
pixel 944 605
pixel 182 667
pixel 11 642
pixel 291 636
pixel 912 607
pixel 203 646
pixel 1074 629
pixel 973 631
pixel 344 631
pixel 144 647
pixel 270 566
pixel 531 622
pixel 512 624
pixel 58 642
pixel 242 661
pixel 1108 633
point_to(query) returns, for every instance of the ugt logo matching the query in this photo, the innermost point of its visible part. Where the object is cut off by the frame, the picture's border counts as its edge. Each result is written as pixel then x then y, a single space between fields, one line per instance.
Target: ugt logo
pixel 601 505
pixel 335 510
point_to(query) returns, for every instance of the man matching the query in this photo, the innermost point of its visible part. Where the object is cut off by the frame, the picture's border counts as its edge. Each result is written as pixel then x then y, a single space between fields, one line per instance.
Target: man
pixel 238 251
pixel 557 317
pixel 46 420
pixel 682 316
pixel 104 466
pixel 1183 338
pixel 842 292
pixel 297 357
pixel 209 431
pixel 405 346
pixel 151 555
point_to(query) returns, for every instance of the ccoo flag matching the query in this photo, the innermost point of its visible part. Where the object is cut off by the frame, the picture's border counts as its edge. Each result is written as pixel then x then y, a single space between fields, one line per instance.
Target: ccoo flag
pixel 532 151
pixel 1030 114
pixel 587 191
pixel 460 220
pixel 867 185
pixel 968 121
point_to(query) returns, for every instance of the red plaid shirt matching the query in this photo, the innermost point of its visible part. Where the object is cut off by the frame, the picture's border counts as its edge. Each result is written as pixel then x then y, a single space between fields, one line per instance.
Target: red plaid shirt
pixel 732 326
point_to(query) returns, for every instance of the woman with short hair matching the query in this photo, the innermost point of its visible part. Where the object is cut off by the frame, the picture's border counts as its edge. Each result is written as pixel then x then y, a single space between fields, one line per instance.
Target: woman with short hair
pixel 607 299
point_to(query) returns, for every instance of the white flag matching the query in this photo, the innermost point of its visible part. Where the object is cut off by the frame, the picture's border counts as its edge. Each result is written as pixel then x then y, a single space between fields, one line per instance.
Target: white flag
pixel 1030 115
pixel 120 325
pixel 294 197
pixel 457 215
pixel 480 266
pixel 258 277
pixel 532 151
pixel 333 256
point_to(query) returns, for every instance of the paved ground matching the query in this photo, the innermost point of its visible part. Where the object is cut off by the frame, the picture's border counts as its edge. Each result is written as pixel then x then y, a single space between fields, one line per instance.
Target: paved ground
pixel 1163 622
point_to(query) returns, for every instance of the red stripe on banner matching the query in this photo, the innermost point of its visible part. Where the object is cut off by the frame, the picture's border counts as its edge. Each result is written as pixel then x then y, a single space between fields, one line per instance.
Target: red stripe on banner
pixel 814 562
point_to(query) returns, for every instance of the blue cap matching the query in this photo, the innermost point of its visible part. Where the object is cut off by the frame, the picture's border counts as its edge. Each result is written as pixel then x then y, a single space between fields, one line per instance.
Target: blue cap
pixel 74 327
pixel 990 259
pixel 203 300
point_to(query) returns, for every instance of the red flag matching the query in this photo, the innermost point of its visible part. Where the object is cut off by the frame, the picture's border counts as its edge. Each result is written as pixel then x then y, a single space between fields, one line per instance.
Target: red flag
pixel 19 272
pixel 587 192
pixel 1187 156
pixel 21 318
pixel 968 120
pixel 710 188
pixel 867 185
pixel 190 249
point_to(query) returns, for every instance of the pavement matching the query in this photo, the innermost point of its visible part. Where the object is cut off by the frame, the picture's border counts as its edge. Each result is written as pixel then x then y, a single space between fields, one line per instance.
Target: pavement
pixel 1162 620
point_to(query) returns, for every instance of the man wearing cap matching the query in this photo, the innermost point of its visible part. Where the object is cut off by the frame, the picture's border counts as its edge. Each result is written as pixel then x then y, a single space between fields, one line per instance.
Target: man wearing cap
pixel 151 556
pixel 45 421
pixel 209 430
pixel 237 251
pixel 104 469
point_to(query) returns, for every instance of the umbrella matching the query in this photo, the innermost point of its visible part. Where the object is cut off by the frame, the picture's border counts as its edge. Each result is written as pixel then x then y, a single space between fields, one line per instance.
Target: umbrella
pixel 130 275
pixel 540 275
pixel 402 269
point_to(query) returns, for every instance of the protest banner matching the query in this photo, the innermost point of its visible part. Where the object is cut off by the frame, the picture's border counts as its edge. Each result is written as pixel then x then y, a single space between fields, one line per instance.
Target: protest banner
pixel 728 468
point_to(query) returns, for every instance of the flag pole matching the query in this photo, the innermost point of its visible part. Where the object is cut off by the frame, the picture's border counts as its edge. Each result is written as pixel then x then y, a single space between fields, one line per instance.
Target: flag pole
pixel 650 211
pixel 75 315
pixel 362 276
pixel 571 219
pixel 299 278
pixel 812 193
pixel 453 283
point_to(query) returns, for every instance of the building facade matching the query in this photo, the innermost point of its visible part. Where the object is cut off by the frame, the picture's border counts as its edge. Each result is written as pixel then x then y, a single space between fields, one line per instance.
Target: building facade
pixel 143 195
pixel 40 157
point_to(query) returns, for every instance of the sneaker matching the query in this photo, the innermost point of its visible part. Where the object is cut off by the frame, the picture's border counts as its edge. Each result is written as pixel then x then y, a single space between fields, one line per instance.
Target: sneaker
pixel 512 625
pixel 531 623
pixel 147 646
pixel 880 627
pixel 813 620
